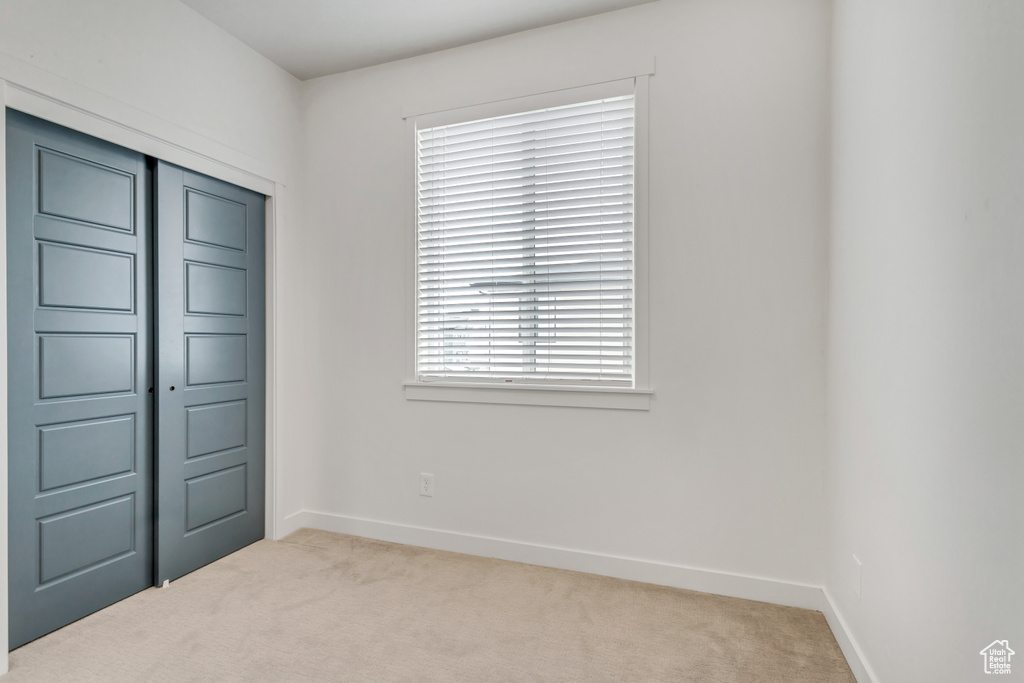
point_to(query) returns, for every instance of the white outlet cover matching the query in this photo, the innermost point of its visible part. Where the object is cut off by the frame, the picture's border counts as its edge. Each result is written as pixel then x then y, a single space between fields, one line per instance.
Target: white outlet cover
pixel 426 484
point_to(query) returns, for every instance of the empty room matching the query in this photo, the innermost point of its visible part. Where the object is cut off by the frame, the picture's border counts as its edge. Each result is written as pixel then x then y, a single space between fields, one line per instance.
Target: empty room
pixel 512 340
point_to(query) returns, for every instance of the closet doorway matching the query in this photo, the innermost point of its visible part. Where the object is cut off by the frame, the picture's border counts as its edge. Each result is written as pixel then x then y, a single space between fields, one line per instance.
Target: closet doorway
pixel 136 361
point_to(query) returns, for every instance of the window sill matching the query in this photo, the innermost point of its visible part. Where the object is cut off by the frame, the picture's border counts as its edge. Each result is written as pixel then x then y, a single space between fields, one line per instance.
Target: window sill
pixel 531 395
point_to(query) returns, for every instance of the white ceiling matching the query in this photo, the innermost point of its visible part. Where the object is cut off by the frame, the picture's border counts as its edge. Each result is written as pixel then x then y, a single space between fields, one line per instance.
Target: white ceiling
pixel 311 38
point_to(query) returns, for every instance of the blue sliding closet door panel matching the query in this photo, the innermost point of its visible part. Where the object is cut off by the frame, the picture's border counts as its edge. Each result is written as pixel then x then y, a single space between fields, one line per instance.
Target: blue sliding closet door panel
pixel 210 369
pixel 79 367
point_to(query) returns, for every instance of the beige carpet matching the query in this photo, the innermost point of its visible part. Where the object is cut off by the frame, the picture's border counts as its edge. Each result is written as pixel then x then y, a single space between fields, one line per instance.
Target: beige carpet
pixel 327 607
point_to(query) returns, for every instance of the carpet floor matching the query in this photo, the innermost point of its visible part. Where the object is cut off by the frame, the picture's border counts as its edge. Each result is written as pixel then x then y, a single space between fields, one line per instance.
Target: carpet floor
pixel 319 606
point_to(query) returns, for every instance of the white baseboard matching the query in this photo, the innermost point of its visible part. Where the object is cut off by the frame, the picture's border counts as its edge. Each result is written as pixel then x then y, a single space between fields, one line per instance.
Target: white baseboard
pixel 719 583
pixel 290 524
pixel 851 650
pixel 659 573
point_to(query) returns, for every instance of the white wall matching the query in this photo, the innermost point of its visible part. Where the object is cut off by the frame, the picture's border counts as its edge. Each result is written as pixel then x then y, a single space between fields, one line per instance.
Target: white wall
pixel 926 335
pixel 163 58
pixel 155 72
pixel 725 472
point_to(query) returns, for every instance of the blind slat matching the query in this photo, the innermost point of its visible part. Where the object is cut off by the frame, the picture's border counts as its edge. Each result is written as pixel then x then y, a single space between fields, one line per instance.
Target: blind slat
pixel 557 289
pixel 525 204
pixel 510 313
pixel 437 182
pixel 488 189
pixel 594 145
pixel 580 230
pixel 434 236
pixel 551 246
pixel 534 119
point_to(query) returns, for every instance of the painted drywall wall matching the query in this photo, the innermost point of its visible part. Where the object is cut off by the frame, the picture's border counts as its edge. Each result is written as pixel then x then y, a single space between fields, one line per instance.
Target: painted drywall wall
pixel 725 471
pixel 163 58
pixel 162 70
pixel 926 334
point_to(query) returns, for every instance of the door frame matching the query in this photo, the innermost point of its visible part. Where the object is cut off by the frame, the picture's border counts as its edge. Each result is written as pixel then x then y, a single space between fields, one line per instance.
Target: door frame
pixel 34 91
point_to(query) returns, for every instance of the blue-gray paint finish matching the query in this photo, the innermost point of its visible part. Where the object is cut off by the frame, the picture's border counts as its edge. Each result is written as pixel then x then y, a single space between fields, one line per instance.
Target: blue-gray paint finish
pixel 74 277
pixel 214 290
pixel 214 497
pixel 210 339
pixel 73 365
pixel 79 362
pixel 215 220
pixel 85 450
pixel 77 188
pixel 216 359
pixel 214 428
pixel 109 526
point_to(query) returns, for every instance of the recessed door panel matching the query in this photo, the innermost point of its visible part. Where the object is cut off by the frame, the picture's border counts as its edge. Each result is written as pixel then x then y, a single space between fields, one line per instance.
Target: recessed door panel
pixel 214 428
pixel 214 497
pixel 79 430
pixel 76 277
pixel 214 220
pixel 73 365
pixel 82 451
pixel 82 189
pixel 215 359
pixel 214 290
pixel 82 539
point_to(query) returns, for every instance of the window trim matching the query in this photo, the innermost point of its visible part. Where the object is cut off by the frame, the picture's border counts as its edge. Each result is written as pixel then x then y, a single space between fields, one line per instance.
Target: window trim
pixel 585 396
pixel 569 396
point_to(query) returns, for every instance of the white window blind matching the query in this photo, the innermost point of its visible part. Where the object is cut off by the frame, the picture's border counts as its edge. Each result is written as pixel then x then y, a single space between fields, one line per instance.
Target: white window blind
pixel 525 247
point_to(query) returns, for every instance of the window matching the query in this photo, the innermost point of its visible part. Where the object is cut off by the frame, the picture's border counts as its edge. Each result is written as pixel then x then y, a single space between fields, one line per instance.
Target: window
pixel 525 247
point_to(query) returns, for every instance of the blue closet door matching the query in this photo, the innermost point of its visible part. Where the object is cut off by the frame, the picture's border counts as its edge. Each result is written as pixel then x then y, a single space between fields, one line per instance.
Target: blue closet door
pixel 79 367
pixel 210 369
pixel 136 402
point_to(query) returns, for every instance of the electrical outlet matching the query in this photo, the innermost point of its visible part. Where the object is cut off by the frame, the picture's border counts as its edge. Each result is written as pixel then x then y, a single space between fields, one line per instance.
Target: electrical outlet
pixel 426 484
pixel 857 573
